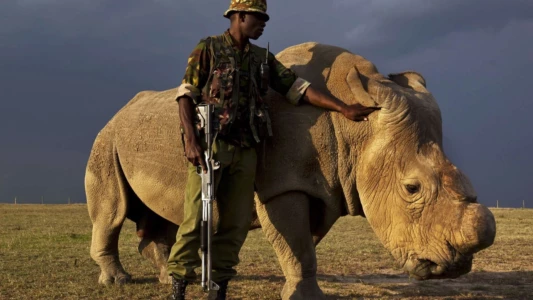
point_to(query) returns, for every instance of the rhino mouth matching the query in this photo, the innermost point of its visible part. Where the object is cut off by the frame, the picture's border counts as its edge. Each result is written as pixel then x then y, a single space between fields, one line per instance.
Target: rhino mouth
pixel 423 269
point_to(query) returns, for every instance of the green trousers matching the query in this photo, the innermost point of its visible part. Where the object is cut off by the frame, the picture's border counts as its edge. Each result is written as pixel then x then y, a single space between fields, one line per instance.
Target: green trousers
pixel 234 190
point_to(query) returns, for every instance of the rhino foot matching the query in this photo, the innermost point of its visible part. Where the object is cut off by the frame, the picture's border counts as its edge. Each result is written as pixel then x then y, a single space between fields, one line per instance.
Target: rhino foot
pixel 107 279
pixel 302 289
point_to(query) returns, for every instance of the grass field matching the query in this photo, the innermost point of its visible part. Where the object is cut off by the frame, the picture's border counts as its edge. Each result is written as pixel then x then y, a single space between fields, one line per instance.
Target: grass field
pixel 44 254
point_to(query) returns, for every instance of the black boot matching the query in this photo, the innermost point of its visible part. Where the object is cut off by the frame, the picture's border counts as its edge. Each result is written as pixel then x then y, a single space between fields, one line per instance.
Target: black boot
pixel 178 289
pixel 221 293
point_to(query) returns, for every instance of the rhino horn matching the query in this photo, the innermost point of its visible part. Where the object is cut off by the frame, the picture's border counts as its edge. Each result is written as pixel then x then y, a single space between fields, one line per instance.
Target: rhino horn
pixel 410 80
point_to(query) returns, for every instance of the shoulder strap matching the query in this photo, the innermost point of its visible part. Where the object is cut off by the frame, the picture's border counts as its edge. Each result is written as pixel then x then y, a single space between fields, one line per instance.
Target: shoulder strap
pixel 213 61
pixel 213 45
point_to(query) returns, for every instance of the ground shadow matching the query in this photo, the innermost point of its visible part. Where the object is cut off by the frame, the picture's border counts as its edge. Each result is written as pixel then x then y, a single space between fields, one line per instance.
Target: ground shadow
pixel 145 280
pixel 259 278
pixel 477 285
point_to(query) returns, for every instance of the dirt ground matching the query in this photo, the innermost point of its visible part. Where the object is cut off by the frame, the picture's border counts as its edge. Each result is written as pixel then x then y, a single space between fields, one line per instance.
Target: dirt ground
pixel 44 254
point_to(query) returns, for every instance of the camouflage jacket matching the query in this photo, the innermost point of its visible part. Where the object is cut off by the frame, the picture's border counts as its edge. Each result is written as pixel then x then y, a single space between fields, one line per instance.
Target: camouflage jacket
pixel 217 68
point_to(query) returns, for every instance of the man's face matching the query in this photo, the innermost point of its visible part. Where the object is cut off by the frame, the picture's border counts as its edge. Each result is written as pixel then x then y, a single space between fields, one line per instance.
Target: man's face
pixel 253 25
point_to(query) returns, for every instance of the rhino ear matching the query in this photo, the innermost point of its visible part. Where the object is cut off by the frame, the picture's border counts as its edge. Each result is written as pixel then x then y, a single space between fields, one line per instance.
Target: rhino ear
pixel 354 80
pixel 410 80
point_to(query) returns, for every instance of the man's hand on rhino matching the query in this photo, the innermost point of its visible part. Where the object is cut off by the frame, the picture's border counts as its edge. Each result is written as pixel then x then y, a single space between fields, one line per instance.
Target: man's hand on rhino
pixel 358 112
pixel 354 112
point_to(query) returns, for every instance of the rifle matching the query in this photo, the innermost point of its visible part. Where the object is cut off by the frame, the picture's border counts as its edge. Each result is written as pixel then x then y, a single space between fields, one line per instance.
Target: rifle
pixel 206 117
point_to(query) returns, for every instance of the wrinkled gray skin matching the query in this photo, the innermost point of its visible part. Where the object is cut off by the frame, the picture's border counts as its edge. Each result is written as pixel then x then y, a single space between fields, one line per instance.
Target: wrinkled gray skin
pixel 318 167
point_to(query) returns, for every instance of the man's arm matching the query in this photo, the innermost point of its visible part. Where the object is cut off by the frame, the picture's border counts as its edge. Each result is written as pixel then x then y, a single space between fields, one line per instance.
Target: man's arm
pixel 193 150
pixel 354 112
pixel 188 96
pixel 295 89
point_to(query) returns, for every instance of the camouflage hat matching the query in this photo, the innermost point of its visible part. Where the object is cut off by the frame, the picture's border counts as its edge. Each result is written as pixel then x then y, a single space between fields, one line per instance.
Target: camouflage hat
pixel 259 6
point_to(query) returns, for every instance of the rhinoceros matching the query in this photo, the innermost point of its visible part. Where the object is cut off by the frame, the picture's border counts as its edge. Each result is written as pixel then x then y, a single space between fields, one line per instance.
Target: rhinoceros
pixel 317 167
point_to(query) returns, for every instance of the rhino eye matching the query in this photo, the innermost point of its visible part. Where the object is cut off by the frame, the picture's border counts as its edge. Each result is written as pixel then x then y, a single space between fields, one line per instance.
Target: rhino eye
pixel 412 188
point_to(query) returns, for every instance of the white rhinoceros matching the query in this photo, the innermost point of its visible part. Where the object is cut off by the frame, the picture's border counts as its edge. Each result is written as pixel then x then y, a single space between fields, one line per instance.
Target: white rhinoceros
pixel 318 167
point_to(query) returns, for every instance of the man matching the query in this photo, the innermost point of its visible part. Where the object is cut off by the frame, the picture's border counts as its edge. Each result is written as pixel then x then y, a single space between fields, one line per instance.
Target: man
pixel 225 70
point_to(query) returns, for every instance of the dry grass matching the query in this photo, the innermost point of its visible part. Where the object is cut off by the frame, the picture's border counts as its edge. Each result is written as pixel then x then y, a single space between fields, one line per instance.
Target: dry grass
pixel 44 254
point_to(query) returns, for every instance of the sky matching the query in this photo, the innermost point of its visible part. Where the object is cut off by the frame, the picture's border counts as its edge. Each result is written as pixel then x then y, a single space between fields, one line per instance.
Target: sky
pixel 67 66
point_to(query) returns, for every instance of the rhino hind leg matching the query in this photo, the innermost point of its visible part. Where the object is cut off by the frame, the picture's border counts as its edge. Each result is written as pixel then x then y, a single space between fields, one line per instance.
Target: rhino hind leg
pixel 157 236
pixel 286 223
pixel 107 192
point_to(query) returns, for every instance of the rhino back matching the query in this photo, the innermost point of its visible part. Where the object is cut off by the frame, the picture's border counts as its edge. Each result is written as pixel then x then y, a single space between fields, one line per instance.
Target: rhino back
pixel 303 155
pixel 147 140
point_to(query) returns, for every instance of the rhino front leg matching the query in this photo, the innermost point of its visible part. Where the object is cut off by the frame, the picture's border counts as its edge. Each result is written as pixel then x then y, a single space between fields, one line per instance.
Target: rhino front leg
pixel 285 221
pixel 157 252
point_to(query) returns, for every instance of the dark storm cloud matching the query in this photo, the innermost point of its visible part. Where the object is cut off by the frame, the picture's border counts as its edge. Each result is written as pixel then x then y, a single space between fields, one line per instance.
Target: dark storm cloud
pixel 68 65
